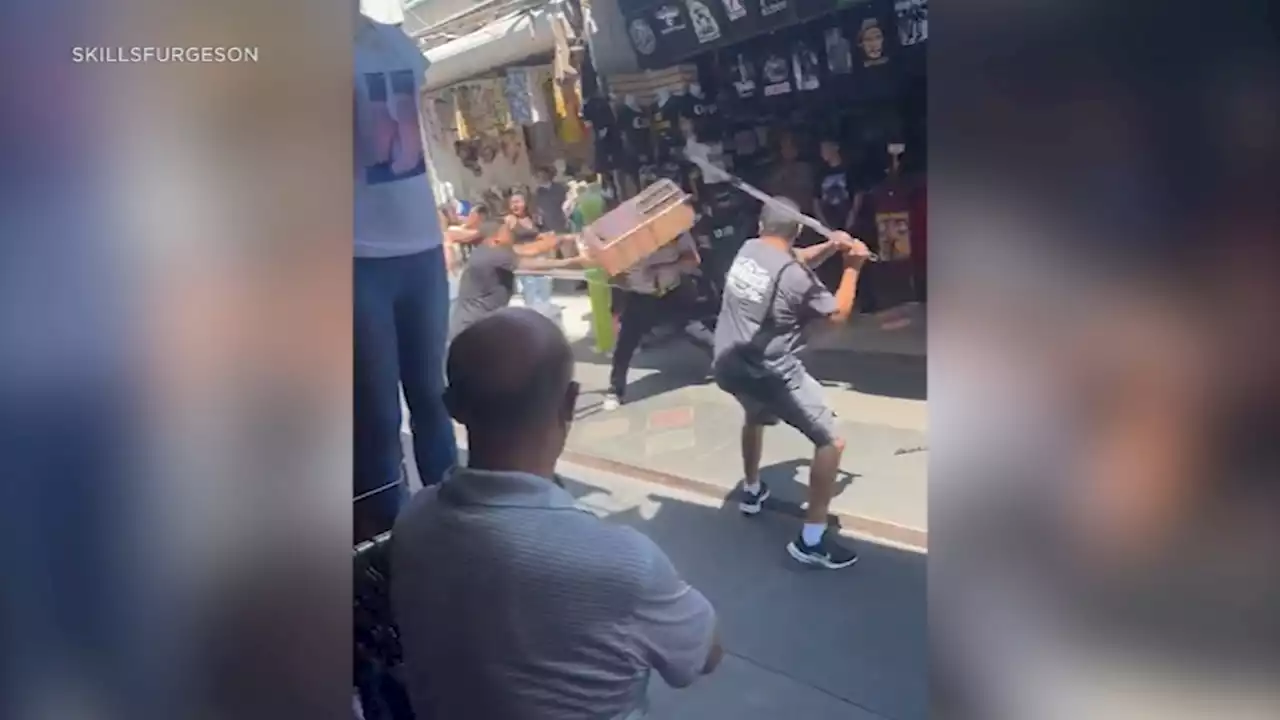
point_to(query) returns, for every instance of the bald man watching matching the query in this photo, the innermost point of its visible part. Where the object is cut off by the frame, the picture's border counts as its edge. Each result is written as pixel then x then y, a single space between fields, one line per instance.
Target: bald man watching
pixel 511 601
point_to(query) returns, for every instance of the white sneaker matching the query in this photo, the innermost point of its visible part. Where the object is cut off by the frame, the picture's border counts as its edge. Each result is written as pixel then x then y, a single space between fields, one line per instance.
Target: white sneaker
pixel 610 402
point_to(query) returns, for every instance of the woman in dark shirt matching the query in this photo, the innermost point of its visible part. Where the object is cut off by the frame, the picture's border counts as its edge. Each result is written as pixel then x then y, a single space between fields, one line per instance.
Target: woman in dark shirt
pixel 526 229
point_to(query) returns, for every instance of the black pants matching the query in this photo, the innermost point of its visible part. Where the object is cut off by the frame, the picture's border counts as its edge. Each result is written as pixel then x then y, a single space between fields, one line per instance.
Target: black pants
pixel 642 313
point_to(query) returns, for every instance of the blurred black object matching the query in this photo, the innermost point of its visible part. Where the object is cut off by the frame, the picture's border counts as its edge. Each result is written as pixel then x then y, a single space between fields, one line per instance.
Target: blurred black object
pixel 376 640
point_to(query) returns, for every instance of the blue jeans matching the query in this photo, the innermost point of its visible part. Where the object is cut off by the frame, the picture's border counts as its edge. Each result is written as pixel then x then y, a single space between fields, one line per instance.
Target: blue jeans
pixel 401 323
pixel 536 291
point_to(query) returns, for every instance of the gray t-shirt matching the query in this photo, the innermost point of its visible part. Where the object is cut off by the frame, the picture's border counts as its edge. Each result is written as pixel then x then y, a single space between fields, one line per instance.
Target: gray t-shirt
pixel 769 298
pixel 395 210
pixel 514 603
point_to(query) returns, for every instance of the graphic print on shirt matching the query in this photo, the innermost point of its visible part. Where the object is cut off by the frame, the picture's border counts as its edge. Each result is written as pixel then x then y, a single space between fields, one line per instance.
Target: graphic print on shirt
pixel 704 23
pixel 735 9
pixel 805 64
pixel 744 76
pixel 835 190
pixel 395 150
pixel 671 20
pixel 642 37
pixel 913 21
pixel 871 43
pixel 839 52
pixel 777 75
pixel 894 229
pixel 772 7
pixel 748 280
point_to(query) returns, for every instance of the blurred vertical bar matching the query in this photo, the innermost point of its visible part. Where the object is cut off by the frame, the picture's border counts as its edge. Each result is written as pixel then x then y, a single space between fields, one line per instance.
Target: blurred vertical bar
pixel 175 385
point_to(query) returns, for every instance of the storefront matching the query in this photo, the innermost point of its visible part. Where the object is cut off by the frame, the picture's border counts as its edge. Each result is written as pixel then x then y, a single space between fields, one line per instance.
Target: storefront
pixel 501 102
pixel 820 102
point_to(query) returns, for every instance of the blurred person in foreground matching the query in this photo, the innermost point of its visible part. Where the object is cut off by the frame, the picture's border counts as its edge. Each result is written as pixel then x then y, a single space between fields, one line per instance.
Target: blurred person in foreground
pixel 660 291
pixel 400 285
pixel 488 280
pixel 771 297
pixel 512 602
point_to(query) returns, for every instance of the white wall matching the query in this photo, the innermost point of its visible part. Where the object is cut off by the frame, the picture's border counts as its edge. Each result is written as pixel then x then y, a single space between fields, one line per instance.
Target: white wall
pixel 388 12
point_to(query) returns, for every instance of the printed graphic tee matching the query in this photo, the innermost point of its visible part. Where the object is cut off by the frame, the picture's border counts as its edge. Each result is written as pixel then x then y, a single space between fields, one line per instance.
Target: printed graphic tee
pixel 636 132
pixel 835 189
pixel 604 130
pixel 395 211
pixel 666 127
pixel 703 114
pixel 769 298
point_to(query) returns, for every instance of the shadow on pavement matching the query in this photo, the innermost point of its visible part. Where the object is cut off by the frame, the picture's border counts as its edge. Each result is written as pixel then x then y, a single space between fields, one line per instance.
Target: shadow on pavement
pixel 847 645
pixel 788 492
pixel 680 364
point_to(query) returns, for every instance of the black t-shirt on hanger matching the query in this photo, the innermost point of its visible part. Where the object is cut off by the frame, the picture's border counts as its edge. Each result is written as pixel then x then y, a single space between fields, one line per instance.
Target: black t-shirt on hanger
pixel 741 66
pixel 834 187
pixel 873 30
pixel 604 130
pixel 636 134
pixel 806 63
pixel 775 69
pixel 704 114
pixel 666 127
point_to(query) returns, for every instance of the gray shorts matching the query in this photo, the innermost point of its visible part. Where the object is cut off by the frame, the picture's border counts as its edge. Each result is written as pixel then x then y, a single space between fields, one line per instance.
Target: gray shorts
pixel 795 399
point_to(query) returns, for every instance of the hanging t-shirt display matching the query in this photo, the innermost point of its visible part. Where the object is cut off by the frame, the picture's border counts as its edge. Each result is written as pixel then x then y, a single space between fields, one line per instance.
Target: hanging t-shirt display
pixel 666 127
pixel 875 43
pixel 604 130
pixel 805 64
pixel 839 52
pixel 913 21
pixel 835 188
pixel 891 201
pixel 871 43
pixel 741 67
pixel 703 117
pixel 636 135
pixel 775 71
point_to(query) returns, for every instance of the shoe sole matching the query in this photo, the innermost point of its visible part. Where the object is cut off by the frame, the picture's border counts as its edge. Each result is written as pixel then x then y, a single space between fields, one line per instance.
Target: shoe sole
pixel 748 508
pixel 807 559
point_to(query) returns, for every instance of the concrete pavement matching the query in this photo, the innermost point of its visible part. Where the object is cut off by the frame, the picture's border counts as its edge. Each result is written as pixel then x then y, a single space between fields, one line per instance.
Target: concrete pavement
pixel 679 430
pixel 845 645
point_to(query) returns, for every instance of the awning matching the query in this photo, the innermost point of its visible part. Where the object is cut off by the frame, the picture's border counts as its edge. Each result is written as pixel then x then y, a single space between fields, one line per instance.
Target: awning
pixel 500 43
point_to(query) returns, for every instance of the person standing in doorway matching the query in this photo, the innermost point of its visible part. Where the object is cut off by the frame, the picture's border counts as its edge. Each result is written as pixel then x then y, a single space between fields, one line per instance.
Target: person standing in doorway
pixel 771 297
pixel 400 284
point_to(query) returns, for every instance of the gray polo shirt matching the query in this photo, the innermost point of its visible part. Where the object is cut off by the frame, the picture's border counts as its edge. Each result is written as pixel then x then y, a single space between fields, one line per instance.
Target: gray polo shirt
pixel 514 603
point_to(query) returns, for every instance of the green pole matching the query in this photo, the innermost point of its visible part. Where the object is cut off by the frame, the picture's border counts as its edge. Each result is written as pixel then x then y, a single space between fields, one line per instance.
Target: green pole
pixel 589 208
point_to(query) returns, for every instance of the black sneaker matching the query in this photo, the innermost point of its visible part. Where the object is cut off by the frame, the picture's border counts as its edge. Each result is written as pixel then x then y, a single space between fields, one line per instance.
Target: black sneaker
pixel 827 553
pixel 752 502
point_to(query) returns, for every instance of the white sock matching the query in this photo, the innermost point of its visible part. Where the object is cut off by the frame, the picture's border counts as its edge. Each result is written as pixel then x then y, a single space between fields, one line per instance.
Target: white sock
pixel 812 533
pixel 751 487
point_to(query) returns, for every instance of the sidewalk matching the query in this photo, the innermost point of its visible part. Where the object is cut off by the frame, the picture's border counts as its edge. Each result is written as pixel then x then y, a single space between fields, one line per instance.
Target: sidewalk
pixel 681 431
pixel 848 645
